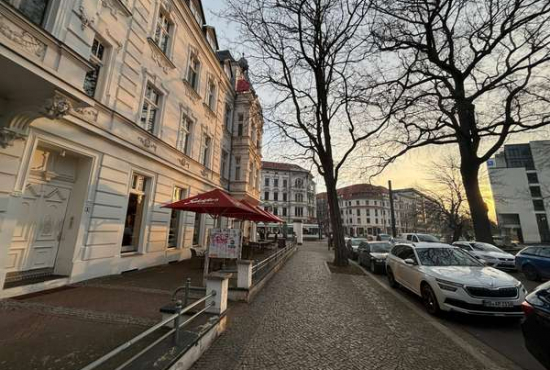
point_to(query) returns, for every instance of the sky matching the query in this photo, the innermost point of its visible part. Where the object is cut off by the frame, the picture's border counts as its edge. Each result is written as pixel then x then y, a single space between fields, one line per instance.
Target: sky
pixel 408 171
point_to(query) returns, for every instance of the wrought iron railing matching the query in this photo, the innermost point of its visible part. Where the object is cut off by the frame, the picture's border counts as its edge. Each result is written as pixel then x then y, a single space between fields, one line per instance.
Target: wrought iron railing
pixel 262 268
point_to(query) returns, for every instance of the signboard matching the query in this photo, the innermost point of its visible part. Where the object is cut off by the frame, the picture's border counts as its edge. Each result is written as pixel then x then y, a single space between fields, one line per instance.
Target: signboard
pixel 225 243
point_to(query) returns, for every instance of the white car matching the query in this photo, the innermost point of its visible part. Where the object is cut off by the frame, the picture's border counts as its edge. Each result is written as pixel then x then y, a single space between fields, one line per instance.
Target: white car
pixel 493 256
pixel 449 279
pixel 418 238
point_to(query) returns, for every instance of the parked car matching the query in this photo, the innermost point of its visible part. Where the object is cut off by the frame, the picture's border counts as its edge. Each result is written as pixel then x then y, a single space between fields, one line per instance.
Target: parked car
pixel 536 325
pixel 504 241
pixel 373 255
pixel 534 262
pixel 493 256
pixel 353 244
pixel 418 238
pixel 449 279
pixel 383 237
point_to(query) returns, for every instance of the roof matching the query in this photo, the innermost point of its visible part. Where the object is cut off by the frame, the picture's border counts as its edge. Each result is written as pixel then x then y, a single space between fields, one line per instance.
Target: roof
pixel 353 191
pixel 425 245
pixel 224 55
pixel 279 166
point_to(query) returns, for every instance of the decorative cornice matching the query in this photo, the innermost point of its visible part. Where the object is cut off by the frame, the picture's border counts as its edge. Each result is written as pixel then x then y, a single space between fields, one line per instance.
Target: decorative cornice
pixel 87 114
pixel 116 7
pixel 183 162
pixel 159 57
pixel 84 18
pixel 148 143
pixel 22 38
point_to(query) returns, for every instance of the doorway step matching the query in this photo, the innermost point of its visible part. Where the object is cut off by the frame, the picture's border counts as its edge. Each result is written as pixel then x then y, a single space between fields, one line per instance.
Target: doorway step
pixel 19 278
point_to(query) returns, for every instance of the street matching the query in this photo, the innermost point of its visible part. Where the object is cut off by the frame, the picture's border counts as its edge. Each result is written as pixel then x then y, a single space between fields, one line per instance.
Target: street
pixel 502 335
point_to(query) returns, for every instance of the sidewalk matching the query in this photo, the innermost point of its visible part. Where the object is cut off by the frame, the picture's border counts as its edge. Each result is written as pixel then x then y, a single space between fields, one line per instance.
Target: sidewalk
pixel 308 318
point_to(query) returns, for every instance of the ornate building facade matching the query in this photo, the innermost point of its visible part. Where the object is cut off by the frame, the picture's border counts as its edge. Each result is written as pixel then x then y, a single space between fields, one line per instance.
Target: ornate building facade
pixel 108 110
pixel 288 191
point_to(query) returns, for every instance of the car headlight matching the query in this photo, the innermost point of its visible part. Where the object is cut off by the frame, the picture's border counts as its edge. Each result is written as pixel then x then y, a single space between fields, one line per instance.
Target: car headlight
pixel 487 258
pixel 448 285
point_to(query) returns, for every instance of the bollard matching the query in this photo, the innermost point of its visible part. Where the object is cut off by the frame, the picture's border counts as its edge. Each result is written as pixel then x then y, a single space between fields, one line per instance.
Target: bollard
pixel 219 283
pixel 187 289
pixel 244 274
pixel 177 322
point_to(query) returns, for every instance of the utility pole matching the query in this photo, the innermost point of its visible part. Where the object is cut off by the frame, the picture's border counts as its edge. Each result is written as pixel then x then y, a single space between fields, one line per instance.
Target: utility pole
pixel 392 211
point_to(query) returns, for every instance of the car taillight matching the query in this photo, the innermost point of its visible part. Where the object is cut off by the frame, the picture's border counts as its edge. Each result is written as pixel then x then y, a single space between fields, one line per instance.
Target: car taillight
pixel 527 308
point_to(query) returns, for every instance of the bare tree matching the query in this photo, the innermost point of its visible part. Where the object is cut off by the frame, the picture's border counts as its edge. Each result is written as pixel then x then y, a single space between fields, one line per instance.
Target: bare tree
pixel 311 55
pixel 465 72
pixel 449 196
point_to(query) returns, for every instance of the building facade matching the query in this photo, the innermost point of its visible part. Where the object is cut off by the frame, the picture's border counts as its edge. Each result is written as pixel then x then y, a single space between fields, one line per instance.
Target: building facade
pixel 108 110
pixel 520 183
pixel 288 191
pixel 365 210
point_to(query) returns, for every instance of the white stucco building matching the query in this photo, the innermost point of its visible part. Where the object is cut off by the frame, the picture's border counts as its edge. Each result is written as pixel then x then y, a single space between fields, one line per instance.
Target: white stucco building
pixel 288 191
pixel 520 183
pixel 108 110
pixel 365 210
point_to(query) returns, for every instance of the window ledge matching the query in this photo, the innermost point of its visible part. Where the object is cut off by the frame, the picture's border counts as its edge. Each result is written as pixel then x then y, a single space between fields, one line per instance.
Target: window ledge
pixel 209 110
pixel 191 92
pixel 130 254
pixel 162 60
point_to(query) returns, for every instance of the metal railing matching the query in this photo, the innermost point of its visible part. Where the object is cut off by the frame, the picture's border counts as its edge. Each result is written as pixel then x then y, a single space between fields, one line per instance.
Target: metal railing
pixel 182 307
pixel 263 267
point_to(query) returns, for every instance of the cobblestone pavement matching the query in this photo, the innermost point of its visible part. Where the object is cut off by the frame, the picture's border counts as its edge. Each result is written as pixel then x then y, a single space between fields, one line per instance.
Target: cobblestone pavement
pixel 308 318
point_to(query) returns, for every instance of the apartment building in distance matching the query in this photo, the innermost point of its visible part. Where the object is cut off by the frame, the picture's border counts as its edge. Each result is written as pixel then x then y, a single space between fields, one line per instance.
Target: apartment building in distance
pixel 520 183
pixel 288 191
pixel 365 210
pixel 108 110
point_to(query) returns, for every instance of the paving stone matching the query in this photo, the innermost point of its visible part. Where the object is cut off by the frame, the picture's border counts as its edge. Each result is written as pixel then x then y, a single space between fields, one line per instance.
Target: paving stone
pixel 308 318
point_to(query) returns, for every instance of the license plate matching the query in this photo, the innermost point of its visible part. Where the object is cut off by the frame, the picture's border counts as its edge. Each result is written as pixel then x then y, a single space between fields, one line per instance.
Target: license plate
pixel 498 304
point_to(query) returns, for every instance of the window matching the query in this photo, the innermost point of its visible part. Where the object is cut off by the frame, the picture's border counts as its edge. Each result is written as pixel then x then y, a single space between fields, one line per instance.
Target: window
pixel 299 197
pixel 193 72
pixel 237 168
pixel 357 202
pixel 266 181
pixel 275 211
pixel 150 109
pixel 285 183
pixel 519 155
pixel 538 204
pixel 34 10
pixel 284 211
pixel 299 183
pixel 276 196
pixel 223 164
pixel 298 211
pixel 211 94
pixel 195 10
pixel 535 191
pixel 135 213
pixel 532 178
pixel 176 219
pixel 227 120
pixel 197 229
pixel 276 182
pixel 91 79
pixel 358 212
pixel 284 197
pixel 240 124
pixel 205 153
pixel 184 135
pixel 368 220
pixel 163 32
pixel 266 195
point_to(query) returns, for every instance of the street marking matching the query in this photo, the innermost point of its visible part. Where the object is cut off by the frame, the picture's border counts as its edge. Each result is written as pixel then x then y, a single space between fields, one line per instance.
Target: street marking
pixel 469 348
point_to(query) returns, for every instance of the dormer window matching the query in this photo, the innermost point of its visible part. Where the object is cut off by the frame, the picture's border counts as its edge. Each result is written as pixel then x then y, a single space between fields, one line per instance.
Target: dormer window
pixel 195 10
pixel 211 40
pixel 163 32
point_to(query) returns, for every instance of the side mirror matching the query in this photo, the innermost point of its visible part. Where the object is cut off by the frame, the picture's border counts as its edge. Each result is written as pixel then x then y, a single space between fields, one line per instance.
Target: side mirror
pixel 410 262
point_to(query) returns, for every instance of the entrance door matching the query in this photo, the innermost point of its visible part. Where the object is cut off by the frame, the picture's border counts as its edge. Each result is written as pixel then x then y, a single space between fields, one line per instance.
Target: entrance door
pixel 39 225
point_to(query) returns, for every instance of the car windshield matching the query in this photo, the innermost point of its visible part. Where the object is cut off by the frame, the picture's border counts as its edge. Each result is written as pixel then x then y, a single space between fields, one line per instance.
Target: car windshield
pixel 427 238
pixel 484 247
pixel 446 257
pixel 380 247
pixel 384 237
pixel 357 241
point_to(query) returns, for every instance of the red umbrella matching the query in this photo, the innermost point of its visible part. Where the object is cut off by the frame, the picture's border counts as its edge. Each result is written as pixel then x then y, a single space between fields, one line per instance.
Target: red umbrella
pixel 217 203
pixel 269 216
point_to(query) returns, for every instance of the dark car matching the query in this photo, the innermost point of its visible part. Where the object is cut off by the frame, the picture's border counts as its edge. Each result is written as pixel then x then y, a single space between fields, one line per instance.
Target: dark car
pixel 353 244
pixel 536 325
pixel 534 262
pixel 373 255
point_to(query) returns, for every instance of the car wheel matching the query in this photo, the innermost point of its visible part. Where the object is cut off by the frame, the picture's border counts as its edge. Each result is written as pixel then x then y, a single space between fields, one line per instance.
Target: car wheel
pixel 430 300
pixel 373 268
pixel 391 279
pixel 530 272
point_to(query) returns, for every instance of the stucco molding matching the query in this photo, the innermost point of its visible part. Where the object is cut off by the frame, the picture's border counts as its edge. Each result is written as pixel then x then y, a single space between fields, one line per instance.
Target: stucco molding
pixel 117 7
pixel 28 42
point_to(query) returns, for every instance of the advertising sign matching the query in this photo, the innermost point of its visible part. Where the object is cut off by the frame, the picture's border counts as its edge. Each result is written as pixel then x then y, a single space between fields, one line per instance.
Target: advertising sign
pixel 225 243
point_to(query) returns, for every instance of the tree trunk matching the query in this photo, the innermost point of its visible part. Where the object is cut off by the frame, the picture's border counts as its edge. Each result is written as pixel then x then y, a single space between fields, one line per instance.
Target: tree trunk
pixel 469 170
pixel 457 231
pixel 340 249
